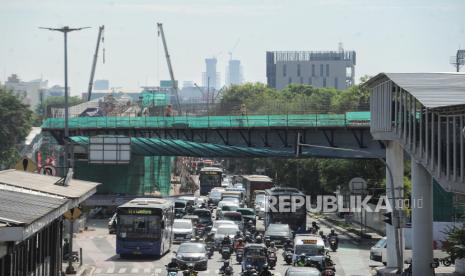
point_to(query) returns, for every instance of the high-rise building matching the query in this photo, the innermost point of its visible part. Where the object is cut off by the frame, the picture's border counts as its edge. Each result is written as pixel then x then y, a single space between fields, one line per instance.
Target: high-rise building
pixel 320 69
pixel 234 72
pixel 30 91
pixel 101 85
pixel 211 78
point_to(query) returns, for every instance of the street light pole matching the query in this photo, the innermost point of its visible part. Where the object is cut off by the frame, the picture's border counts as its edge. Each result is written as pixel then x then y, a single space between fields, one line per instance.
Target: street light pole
pixel 398 235
pixel 65 30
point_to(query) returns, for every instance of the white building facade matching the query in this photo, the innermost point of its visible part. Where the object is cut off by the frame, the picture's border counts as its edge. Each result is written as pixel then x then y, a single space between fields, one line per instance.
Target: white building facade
pixel 334 69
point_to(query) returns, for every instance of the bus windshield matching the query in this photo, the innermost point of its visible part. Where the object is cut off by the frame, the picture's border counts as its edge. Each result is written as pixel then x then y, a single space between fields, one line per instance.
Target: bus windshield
pixel 139 227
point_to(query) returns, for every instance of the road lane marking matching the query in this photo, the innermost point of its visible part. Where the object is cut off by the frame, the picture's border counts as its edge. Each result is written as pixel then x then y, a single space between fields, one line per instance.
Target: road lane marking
pixel 110 270
pixel 98 271
pixel 135 270
pixel 122 270
pixel 146 270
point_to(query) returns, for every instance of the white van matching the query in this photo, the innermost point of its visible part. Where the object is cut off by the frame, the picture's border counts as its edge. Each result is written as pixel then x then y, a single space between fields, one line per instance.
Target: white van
pixel 378 252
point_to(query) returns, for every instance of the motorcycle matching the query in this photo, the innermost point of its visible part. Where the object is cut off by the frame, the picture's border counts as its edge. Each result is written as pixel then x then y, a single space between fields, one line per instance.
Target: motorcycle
pixel 74 257
pixel 190 272
pixel 210 249
pixel 271 259
pixel 172 271
pixel 225 252
pixel 288 256
pixel 448 261
pixel 333 243
pixel 227 271
pixel 267 242
pixel 239 255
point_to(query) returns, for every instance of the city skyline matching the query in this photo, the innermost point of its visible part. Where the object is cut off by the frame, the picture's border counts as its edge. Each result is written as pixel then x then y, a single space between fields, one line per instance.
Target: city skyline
pixel 418 36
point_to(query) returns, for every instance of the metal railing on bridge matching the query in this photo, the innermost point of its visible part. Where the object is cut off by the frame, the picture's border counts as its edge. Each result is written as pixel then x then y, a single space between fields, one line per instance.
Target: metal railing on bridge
pixel 348 119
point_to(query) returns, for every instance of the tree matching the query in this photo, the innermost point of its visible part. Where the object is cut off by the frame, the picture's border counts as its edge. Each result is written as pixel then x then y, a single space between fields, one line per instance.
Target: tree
pixel 15 118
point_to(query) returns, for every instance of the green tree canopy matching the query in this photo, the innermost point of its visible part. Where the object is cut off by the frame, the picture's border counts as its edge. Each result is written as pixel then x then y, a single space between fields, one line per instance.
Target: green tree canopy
pixel 15 118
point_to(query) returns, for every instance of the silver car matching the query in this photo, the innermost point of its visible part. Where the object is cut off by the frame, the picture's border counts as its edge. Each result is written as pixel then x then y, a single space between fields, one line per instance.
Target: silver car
pixel 192 253
pixel 223 231
pixel 182 230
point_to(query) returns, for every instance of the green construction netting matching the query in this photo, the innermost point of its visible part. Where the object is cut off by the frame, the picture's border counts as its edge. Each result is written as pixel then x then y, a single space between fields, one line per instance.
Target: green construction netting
pixel 444 208
pixel 157 174
pixel 288 120
pixel 175 147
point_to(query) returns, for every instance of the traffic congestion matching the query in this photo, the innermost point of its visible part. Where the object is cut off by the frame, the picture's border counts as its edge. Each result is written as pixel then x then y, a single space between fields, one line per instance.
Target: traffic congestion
pixel 227 221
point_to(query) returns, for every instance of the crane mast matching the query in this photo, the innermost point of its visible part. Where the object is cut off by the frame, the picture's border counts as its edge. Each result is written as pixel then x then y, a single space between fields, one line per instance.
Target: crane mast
pixel 168 61
pixel 94 63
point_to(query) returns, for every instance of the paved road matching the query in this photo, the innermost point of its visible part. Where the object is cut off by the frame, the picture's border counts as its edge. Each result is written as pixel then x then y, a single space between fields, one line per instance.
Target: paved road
pixel 99 252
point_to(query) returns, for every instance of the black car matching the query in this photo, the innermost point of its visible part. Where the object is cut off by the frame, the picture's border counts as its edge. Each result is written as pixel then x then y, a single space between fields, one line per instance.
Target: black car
pixel 192 253
pixel 205 217
pixel 278 233
pixel 180 208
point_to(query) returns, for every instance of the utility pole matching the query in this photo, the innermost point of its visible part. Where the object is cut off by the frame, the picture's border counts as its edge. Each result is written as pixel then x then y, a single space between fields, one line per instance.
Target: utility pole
pixel 458 60
pixel 65 30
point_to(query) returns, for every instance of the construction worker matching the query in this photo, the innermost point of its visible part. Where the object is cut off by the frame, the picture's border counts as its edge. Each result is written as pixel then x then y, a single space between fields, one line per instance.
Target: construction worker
pixel 169 111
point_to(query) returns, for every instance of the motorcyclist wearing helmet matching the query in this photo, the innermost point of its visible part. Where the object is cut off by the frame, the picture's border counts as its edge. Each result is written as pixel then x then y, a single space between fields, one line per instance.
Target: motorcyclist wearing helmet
pixel 227 242
pixel 173 265
pixel 301 260
pixel 272 248
pixel 238 235
pixel 225 265
pixel 239 244
pixel 315 225
pixel 258 239
pixel 333 234
pixel 210 237
pixel 287 245
pixel 265 271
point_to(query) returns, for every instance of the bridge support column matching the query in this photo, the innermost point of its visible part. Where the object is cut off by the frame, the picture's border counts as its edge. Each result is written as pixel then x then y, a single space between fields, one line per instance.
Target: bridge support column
pixel 422 221
pixel 395 161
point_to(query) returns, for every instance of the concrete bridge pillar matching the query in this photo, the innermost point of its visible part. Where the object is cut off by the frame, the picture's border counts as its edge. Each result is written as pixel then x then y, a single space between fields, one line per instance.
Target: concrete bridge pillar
pixel 422 221
pixel 395 161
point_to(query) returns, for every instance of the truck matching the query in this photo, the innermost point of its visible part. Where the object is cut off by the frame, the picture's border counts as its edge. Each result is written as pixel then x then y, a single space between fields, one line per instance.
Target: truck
pixel 255 182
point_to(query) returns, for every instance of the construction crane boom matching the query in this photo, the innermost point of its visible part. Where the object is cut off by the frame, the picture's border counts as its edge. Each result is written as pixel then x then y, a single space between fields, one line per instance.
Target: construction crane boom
pixel 170 67
pixel 94 62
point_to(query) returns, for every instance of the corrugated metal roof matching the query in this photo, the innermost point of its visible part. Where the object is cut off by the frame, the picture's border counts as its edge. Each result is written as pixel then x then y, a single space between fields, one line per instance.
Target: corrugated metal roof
pixel 22 208
pixel 433 90
pixel 77 189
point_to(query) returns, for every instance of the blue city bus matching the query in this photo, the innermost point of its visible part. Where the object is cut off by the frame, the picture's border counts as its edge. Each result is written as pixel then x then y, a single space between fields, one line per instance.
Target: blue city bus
pixel 209 178
pixel 144 227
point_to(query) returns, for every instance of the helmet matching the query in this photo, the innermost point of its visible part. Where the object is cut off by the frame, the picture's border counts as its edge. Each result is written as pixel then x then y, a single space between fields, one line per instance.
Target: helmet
pixel 302 256
pixel 238 232
pixel 226 263
pixel 265 267
pixel 211 234
pixel 197 238
pixel 332 231
pixel 190 266
pixel 272 244
pixel 313 223
pixel 288 240
pixel 250 222
pixel 239 240
pixel 248 267
pixel 258 239
pixel 321 233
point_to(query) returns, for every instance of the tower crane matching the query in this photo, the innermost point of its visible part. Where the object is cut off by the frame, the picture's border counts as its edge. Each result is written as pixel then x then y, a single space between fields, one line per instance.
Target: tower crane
pixel 170 68
pixel 94 63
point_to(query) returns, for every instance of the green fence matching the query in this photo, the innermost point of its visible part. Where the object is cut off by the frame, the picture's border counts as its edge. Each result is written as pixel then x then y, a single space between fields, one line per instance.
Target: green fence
pixel 288 120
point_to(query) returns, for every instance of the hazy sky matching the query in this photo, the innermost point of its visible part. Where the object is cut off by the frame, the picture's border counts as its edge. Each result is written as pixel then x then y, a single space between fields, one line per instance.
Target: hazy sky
pixel 389 36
